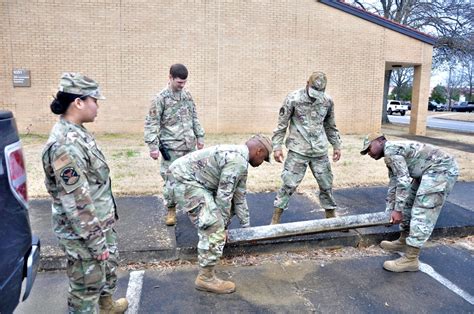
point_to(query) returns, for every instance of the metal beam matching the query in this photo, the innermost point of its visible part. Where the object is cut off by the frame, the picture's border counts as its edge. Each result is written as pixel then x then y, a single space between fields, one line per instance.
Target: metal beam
pixel 307 227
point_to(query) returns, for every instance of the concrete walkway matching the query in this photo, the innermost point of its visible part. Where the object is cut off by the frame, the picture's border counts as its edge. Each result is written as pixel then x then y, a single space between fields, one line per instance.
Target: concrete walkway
pixel 143 237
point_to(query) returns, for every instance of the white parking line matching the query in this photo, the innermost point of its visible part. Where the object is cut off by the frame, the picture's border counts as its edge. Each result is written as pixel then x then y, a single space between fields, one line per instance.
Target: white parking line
pixel 427 269
pixel 134 291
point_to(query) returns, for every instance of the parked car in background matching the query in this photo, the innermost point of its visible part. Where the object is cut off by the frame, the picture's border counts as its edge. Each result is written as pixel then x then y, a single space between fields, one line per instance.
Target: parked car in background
pixel 396 106
pixel 19 249
pixel 408 104
pixel 434 106
pixel 465 106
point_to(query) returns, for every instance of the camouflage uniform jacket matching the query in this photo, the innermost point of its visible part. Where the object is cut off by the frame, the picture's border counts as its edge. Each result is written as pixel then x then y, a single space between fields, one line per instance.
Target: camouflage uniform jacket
pixel 312 125
pixel 411 160
pixel 222 170
pixel 77 177
pixel 173 120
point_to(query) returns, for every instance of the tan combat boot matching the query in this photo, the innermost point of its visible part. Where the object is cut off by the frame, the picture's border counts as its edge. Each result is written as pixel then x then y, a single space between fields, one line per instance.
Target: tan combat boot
pixel 399 245
pixel 207 281
pixel 109 306
pixel 330 213
pixel 408 262
pixel 276 216
pixel 171 216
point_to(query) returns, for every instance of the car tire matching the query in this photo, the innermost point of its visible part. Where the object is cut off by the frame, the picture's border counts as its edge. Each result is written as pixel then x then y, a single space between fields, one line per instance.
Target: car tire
pixel 402 113
pixel 389 112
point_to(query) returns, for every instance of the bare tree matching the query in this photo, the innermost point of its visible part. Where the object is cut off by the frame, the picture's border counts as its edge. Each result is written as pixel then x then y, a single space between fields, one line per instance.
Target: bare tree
pixel 468 68
pixel 450 21
pixel 401 78
pixel 468 77
pixel 454 82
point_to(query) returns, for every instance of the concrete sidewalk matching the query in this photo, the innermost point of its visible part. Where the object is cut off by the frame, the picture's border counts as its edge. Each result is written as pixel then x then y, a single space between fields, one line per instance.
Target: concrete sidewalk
pixel 143 237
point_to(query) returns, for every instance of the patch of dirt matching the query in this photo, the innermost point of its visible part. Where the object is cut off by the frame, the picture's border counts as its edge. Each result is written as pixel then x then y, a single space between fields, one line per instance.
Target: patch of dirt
pixel 323 255
pixel 464 242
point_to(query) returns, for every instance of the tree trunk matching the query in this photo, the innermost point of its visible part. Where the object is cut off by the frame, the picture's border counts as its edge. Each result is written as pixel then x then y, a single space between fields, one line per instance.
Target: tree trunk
pixel 386 87
pixel 449 90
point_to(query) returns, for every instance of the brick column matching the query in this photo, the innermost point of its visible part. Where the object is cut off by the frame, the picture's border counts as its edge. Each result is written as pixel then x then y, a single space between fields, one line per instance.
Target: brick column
pixel 419 99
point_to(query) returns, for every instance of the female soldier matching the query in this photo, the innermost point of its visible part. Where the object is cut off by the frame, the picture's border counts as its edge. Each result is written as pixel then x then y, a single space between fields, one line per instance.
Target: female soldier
pixel 84 211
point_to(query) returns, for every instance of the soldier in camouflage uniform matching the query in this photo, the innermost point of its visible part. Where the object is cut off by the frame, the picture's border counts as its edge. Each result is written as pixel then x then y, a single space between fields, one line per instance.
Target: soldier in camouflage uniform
pixel 83 208
pixel 421 177
pixel 310 113
pixel 172 120
pixel 210 185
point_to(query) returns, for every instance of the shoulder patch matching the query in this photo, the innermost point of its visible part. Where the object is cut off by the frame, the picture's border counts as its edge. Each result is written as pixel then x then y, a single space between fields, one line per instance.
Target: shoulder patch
pixel 282 111
pixel 69 175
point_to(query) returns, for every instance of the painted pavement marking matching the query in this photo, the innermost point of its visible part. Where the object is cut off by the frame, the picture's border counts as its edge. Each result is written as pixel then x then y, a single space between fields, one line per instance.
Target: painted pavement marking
pixel 427 269
pixel 134 291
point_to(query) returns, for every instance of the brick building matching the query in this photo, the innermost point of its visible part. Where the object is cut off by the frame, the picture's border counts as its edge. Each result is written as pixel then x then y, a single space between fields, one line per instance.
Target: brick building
pixel 244 56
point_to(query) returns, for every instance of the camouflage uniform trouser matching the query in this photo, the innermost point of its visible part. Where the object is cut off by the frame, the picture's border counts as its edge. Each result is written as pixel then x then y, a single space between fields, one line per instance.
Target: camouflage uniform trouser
pixel 164 166
pixel 202 211
pixel 293 173
pixel 423 205
pixel 88 277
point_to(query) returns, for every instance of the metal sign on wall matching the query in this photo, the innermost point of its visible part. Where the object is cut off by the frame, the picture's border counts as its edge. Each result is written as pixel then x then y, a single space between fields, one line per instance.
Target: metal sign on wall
pixel 21 78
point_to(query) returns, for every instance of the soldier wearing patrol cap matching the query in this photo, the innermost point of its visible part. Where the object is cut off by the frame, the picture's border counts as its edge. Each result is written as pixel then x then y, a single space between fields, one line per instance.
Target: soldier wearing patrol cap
pixel 310 114
pixel 421 177
pixel 172 122
pixel 83 208
pixel 210 185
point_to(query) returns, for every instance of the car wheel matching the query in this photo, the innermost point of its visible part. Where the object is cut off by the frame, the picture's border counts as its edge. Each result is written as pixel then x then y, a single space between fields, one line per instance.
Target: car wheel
pixel 389 111
pixel 402 113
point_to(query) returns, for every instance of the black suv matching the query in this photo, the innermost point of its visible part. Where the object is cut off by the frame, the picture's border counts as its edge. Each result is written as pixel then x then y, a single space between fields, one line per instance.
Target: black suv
pixel 19 249
pixel 465 106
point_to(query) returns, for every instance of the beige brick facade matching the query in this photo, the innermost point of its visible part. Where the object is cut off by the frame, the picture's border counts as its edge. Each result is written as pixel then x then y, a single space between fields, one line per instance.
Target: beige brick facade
pixel 244 56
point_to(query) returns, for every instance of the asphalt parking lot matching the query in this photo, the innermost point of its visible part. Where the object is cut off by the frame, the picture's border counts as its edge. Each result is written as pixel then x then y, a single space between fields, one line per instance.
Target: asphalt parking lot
pixel 296 285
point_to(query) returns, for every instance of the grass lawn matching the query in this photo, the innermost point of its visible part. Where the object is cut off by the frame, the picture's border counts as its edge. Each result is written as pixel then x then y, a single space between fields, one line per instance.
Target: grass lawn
pixel 459 116
pixel 447 115
pixel 135 173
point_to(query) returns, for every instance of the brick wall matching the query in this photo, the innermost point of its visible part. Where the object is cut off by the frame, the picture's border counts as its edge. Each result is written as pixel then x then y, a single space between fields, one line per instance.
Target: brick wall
pixel 244 56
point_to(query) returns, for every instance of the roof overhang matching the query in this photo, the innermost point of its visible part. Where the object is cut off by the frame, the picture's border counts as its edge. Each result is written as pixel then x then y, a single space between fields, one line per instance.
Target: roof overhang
pixel 380 21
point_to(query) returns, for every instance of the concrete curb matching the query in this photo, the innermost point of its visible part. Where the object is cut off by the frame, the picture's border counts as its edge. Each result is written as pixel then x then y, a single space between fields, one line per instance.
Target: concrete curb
pixel 293 244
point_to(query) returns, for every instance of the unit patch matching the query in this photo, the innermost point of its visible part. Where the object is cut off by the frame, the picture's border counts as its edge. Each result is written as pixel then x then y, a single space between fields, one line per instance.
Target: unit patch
pixel 69 176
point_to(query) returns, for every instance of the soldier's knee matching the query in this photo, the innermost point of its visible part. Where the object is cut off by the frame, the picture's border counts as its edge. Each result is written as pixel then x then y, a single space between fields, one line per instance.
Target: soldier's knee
pixel 86 276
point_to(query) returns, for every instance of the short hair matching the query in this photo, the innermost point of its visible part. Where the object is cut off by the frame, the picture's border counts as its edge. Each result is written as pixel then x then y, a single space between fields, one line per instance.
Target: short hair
pixel 179 70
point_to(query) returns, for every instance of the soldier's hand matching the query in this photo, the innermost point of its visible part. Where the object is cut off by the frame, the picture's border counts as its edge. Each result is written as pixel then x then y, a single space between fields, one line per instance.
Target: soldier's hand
pixel 155 154
pixel 396 217
pixel 104 256
pixel 336 155
pixel 278 155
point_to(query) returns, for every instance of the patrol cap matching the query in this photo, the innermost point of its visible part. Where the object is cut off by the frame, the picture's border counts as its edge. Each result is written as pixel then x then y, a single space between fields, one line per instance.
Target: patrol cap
pixel 367 140
pixel 317 84
pixel 76 83
pixel 266 141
